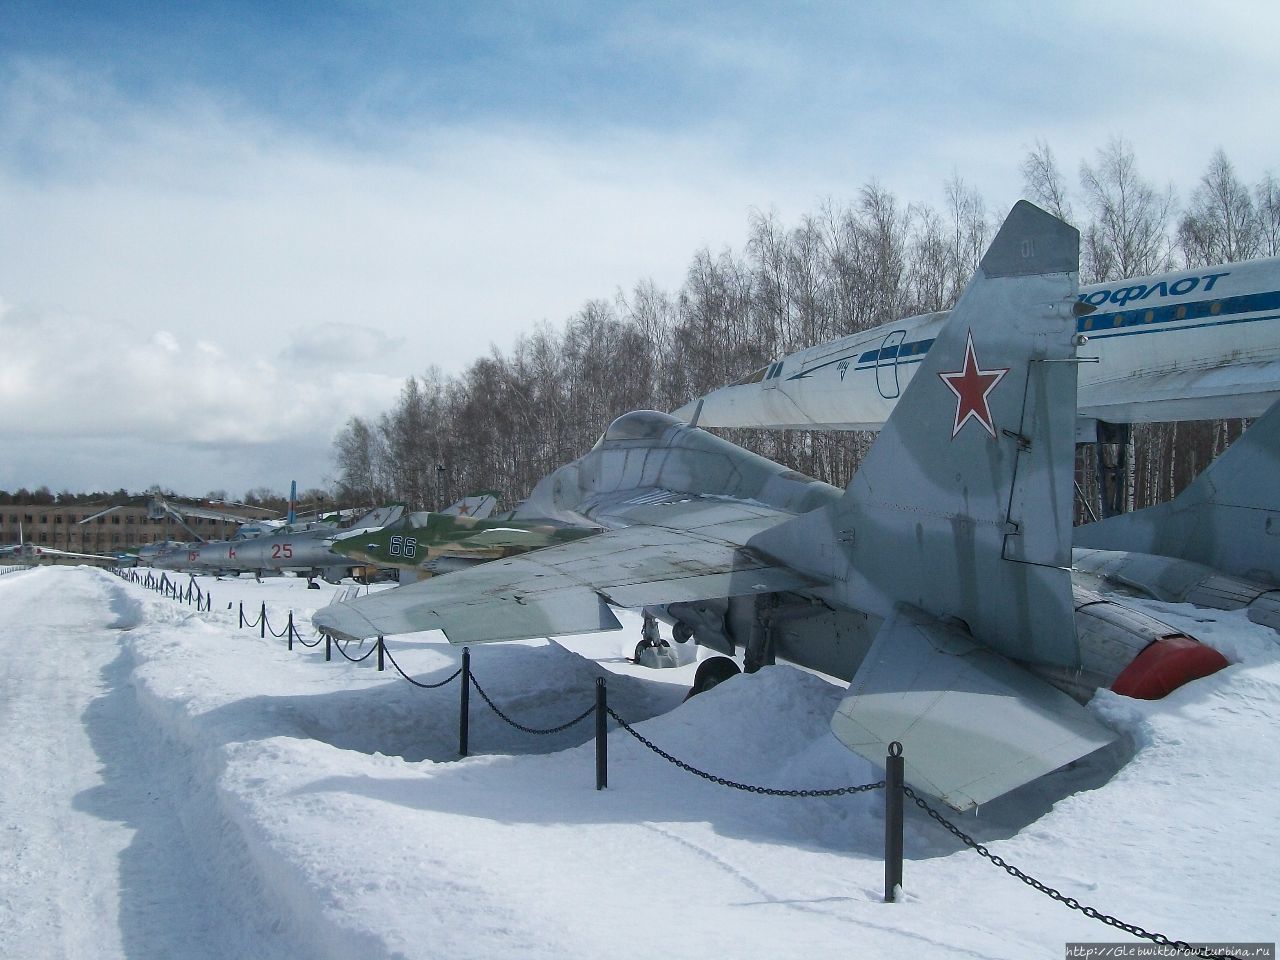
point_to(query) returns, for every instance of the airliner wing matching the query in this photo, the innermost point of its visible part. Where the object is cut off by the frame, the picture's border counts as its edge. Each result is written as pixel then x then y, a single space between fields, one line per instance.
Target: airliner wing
pixel 691 550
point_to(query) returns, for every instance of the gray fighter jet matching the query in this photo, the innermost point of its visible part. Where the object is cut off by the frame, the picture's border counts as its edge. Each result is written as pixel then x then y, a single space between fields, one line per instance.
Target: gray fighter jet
pixel 1217 544
pixel 939 583
pixel 302 547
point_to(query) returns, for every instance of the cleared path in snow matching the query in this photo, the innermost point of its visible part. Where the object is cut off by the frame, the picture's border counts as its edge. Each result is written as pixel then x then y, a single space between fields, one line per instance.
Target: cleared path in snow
pixel 94 860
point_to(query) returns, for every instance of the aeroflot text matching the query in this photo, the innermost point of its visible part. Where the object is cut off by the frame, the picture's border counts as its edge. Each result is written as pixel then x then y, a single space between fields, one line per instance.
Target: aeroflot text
pixel 1161 288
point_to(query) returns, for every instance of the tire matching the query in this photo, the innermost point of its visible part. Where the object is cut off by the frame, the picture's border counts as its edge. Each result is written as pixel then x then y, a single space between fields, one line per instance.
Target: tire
pixel 711 673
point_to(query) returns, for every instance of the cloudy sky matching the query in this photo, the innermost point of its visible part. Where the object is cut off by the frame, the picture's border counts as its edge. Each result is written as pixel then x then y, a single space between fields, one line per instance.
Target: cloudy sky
pixel 226 227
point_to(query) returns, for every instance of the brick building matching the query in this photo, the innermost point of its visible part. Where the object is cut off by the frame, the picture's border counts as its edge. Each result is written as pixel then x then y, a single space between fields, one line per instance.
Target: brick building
pixel 128 527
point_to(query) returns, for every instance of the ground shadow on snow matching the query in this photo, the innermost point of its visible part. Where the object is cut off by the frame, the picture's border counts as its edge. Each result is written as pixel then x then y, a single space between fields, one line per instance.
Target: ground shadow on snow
pixel 539 687
pixel 170 905
pixel 545 686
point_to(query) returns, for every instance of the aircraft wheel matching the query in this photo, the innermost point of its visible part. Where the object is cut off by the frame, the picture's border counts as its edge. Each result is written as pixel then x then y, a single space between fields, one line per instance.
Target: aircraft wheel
pixel 711 672
pixel 682 632
pixel 644 645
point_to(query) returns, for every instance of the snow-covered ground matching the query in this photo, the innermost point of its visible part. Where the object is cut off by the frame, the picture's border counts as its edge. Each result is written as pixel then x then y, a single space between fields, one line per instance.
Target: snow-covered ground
pixel 176 787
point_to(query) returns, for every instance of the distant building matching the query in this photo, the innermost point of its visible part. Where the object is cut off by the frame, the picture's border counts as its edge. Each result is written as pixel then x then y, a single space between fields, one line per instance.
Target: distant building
pixel 128 527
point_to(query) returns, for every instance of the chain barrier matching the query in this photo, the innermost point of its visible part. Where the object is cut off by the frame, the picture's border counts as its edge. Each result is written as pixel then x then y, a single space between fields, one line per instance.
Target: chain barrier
pixel 282 634
pixel 520 726
pixel 724 782
pixel 298 636
pixel 164 585
pixel 203 599
pixel 168 588
pixel 372 650
pixel 417 683
pixel 1053 894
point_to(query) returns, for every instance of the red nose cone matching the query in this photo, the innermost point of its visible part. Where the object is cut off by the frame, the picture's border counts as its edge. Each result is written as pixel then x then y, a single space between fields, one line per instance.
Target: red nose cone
pixel 1165 665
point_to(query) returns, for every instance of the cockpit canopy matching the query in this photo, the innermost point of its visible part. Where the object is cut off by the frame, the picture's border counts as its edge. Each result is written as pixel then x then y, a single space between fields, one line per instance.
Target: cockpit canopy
pixel 640 425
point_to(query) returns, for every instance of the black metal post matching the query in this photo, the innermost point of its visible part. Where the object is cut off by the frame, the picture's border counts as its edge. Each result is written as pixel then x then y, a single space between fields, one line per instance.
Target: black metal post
pixel 328 650
pixel 262 621
pixel 464 707
pixel 602 741
pixel 893 775
pixel 290 630
pixel 241 614
pixel 381 647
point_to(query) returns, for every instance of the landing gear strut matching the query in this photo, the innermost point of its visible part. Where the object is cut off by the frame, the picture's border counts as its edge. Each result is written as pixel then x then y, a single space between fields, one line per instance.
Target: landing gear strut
pixel 652 650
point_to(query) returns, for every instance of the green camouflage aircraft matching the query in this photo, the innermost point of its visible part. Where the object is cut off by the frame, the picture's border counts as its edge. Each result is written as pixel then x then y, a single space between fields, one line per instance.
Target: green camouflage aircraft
pixel 428 543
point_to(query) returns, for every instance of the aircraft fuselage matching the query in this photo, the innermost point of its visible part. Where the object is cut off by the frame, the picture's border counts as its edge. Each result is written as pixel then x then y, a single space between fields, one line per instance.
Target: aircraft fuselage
pixel 1197 344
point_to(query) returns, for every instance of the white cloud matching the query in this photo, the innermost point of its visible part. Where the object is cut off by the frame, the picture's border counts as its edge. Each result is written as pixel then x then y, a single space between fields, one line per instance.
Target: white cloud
pixel 187 274
pixel 80 385
pixel 186 261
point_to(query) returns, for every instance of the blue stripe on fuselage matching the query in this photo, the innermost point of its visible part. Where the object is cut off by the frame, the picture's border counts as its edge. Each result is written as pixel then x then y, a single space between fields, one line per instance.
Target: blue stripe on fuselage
pixel 1100 326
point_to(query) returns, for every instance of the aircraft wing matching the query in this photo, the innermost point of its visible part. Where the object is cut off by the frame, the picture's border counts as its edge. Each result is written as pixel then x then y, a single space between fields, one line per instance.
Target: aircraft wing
pixel 693 550
pixel 53 552
pixel 973 725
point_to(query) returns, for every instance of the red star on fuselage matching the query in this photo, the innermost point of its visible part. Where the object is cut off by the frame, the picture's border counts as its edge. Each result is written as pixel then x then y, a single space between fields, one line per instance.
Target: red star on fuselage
pixel 972 385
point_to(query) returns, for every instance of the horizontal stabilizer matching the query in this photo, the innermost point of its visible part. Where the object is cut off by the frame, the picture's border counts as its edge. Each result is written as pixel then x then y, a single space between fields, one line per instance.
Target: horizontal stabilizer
pixel 972 724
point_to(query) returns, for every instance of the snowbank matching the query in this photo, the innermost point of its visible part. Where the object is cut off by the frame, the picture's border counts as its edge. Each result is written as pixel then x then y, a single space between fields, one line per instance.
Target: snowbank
pixel 327 803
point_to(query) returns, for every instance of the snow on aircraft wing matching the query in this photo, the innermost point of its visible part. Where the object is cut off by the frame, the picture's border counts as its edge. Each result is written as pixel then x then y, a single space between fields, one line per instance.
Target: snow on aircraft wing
pixel 691 550
pixel 973 725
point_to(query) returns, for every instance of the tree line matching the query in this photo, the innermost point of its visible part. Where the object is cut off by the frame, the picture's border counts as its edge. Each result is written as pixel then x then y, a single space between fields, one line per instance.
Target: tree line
pixel 511 417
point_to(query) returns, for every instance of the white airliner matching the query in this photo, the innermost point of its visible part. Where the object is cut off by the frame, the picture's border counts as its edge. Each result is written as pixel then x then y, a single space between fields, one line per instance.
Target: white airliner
pixel 1193 345
pixel 26 552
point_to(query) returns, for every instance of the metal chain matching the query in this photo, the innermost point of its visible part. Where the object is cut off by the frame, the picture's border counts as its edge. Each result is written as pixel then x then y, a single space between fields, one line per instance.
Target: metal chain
pixel 1048 891
pixel 371 650
pixel 314 643
pixel 418 683
pixel 768 791
pixel 520 726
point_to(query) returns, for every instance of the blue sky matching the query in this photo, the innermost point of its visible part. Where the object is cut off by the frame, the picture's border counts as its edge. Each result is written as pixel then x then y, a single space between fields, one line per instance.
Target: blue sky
pixel 245 222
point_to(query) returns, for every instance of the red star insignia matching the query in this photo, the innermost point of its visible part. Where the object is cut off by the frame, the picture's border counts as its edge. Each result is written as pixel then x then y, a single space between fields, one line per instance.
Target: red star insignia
pixel 464 511
pixel 971 386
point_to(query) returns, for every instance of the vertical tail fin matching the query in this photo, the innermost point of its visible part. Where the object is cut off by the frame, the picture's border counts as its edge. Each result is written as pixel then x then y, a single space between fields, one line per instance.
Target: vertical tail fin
pixel 962 508
pixel 478 506
pixel 1228 518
